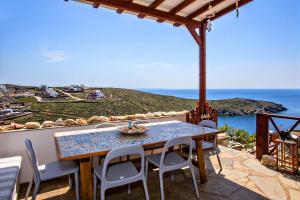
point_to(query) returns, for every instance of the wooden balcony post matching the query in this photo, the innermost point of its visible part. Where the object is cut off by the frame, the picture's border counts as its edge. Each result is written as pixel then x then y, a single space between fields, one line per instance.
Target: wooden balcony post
pixel 262 135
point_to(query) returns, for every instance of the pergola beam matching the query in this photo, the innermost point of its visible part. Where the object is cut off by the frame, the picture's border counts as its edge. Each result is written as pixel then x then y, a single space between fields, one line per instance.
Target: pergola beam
pixel 153 5
pixel 144 10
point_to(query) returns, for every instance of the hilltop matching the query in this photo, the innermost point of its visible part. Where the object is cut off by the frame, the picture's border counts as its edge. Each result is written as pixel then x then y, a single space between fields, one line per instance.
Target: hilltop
pixel 123 102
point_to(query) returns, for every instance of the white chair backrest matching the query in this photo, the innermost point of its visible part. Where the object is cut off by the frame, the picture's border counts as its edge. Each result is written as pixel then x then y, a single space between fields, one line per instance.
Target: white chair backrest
pixel 208 124
pixel 105 125
pixel 186 140
pixel 33 160
pixel 119 152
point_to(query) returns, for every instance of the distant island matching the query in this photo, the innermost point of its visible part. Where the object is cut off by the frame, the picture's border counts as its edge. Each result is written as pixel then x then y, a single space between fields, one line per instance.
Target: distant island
pixel 77 101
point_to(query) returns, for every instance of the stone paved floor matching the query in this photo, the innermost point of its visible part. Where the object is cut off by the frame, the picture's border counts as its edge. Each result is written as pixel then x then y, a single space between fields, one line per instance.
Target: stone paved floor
pixel 242 177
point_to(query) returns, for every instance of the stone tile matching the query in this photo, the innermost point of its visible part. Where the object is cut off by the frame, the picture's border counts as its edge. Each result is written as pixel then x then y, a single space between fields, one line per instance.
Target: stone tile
pixel 234 182
pixel 256 166
pixel 287 181
pixel 238 165
pixel 246 194
pixel 256 190
pixel 226 162
pixel 219 186
pixel 241 158
pixel 243 180
pixel 206 196
pixel 294 194
pixel 227 155
pixel 298 182
pixel 270 186
pixel 234 174
pixel 250 184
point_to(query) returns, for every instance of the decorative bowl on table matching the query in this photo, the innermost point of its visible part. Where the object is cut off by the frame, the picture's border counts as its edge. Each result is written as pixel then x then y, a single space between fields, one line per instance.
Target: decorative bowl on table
pixel 134 130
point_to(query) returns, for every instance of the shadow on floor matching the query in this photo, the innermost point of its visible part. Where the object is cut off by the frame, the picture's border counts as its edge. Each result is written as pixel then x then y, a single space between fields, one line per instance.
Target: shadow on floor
pixel 181 188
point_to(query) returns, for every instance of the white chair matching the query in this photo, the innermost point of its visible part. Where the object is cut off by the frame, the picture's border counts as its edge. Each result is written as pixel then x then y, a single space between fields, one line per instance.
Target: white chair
pixel 210 146
pixel 105 125
pixel 49 171
pixel 122 173
pixel 97 159
pixel 171 161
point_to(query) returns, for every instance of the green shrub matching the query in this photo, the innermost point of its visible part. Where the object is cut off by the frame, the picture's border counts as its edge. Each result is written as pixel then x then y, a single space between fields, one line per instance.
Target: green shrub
pixel 239 135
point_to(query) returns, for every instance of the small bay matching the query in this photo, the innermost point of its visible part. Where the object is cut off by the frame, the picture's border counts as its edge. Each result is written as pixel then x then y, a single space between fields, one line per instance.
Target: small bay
pixel 290 98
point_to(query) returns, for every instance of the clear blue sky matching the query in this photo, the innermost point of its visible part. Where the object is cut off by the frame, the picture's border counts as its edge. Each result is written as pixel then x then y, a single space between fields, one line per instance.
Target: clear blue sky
pixel 57 43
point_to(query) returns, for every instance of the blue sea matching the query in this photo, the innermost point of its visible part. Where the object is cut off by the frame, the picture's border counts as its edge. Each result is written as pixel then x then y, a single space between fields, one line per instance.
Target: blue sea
pixel 290 98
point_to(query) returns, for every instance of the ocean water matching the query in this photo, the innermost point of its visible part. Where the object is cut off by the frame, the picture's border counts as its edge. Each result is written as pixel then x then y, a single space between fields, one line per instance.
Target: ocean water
pixel 290 98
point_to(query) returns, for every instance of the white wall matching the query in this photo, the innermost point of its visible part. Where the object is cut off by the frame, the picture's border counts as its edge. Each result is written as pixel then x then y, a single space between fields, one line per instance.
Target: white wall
pixel 13 144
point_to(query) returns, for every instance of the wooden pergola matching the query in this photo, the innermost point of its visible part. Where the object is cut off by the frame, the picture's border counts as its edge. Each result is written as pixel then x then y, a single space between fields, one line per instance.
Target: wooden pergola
pixel 192 14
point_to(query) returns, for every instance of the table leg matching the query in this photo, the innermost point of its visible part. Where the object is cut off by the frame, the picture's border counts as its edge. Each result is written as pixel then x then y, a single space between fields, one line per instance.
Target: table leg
pixel 86 184
pixel 201 162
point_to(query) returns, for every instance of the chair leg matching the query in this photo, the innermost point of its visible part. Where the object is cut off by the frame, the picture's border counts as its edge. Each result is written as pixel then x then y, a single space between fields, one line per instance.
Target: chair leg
pixel 95 187
pixel 161 183
pixel 29 189
pixel 102 193
pixel 70 182
pixel 129 189
pixel 76 185
pixel 35 191
pixel 146 169
pixel 218 157
pixel 194 181
pixel 146 188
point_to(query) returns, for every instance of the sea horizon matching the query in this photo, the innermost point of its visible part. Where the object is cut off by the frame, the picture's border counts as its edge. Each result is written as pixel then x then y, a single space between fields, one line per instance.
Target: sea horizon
pixel 290 98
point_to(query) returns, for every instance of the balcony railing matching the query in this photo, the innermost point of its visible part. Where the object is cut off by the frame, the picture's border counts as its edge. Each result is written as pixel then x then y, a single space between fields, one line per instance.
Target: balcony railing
pixel 264 138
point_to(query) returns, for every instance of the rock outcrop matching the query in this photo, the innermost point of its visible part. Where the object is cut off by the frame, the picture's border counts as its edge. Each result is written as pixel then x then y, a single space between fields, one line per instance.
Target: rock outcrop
pixel 59 122
pixel 32 125
pixel 47 124
pixel 16 126
pixel 268 160
pixel 70 122
pixel 81 122
pixel 93 119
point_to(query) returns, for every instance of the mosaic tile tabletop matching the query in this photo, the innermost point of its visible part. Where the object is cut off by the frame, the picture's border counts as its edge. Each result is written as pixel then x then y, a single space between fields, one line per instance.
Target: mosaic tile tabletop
pixel 84 142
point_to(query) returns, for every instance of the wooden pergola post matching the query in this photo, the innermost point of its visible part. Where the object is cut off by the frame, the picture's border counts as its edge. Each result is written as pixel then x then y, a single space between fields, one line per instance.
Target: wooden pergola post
pixel 202 65
pixel 200 39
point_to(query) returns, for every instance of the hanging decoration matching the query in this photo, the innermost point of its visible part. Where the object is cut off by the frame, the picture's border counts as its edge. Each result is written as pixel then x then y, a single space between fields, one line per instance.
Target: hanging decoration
pixel 208 17
pixel 208 25
pixel 237 8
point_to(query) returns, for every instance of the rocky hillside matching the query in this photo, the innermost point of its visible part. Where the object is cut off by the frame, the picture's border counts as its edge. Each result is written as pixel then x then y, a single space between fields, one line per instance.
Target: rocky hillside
pixel 128 102
pixel 239 106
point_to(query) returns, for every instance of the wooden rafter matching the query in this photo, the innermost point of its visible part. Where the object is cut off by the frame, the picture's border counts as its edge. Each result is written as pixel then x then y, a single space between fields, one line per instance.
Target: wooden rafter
pixel 145 10
pixel 170 16
pixel 205 8
pixel 181 6
pixel 178 8
pixel 96 4
pixel 153 5
pixel 121 10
